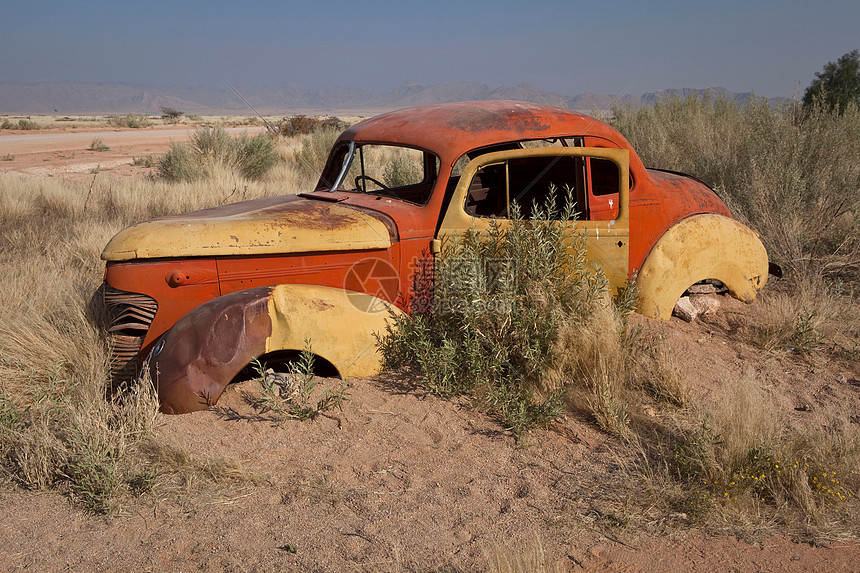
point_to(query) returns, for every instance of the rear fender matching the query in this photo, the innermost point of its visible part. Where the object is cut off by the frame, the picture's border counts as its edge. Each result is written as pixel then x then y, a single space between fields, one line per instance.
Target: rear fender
pixel 195 360
pixel 697 248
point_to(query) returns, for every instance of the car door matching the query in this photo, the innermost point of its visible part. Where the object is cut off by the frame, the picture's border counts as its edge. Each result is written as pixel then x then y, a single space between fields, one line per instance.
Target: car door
pixel 492 183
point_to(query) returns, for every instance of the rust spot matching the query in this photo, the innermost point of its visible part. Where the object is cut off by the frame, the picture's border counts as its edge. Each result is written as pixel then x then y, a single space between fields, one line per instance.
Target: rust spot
pixel 479 119
pixel 321 305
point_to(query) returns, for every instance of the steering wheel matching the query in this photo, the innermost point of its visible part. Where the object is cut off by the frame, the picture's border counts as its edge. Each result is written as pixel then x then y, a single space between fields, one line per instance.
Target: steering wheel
pixel 359 178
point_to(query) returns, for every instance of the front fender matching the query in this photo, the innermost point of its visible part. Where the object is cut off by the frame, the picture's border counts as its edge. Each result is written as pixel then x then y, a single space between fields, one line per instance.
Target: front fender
pixel 195 360
pixel 697 248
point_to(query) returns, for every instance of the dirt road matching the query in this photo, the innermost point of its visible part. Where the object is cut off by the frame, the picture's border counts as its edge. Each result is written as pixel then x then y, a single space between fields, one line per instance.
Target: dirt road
pixel 67 153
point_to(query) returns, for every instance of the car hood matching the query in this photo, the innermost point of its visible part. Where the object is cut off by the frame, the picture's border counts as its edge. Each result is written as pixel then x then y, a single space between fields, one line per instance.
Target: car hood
pixel 286 224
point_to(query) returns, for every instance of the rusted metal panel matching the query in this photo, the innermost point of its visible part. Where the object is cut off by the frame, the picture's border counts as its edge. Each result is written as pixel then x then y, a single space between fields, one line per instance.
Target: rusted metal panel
pixel 193 363
pixel 450 130
pixel 197 357
pixel 290 225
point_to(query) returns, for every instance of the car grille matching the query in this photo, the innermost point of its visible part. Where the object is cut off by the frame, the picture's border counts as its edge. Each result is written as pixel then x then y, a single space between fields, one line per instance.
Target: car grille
pixel 129 317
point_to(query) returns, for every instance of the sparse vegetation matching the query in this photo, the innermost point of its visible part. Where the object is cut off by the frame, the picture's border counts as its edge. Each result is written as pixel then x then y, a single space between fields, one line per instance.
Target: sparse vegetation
pixel 98 145
pixel 297 394
pixel 23 123
pixel 170 115
pixel 212 148
pixel 793 176
pixel 8 157
pixel 145 161
pixel 306 125
pixel 132 120
pixel 57 428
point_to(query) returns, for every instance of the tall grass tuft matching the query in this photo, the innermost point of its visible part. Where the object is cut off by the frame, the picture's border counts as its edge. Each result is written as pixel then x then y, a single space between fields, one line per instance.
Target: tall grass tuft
pixel 211 149
pixel 739 463
pixel 310 158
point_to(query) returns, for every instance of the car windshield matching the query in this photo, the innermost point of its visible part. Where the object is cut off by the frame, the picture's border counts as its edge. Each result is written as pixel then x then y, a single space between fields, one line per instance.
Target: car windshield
pixel 394 171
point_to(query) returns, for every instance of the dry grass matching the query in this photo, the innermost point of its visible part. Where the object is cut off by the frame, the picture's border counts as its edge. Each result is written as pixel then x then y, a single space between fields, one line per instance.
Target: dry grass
pixel 732 463
pixel 59 427
pixel 747 471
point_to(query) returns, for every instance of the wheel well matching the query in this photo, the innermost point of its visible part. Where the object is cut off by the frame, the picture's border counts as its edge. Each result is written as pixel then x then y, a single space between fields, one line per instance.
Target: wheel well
pixel 718 287
pixel 281 361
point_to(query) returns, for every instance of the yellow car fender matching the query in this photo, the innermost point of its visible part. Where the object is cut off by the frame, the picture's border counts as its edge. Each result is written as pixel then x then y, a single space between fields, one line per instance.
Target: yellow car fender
pixel 697 248
pixel 198 357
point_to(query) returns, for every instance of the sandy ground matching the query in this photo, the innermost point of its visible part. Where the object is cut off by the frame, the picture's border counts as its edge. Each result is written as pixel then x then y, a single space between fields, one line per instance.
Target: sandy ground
pixel 400 480
pixel 404 481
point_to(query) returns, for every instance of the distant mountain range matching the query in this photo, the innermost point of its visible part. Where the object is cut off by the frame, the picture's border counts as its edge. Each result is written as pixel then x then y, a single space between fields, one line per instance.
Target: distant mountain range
pixel 79 98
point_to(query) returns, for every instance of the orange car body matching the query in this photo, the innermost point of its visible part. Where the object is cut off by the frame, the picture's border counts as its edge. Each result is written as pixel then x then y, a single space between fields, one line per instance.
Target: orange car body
pixel 203 294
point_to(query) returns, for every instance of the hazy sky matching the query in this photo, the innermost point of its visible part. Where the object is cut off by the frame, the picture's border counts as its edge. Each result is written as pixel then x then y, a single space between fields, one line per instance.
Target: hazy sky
pixel 773 48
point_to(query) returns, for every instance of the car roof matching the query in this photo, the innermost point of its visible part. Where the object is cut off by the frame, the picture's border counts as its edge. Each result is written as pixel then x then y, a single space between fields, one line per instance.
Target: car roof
pixel 451 129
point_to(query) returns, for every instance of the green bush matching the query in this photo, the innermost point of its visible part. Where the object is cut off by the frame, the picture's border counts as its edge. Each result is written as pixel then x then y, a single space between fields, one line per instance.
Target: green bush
pixel 255 156
pixel 180 164
pixel 297 394
pixel 209 147
pixel 498 304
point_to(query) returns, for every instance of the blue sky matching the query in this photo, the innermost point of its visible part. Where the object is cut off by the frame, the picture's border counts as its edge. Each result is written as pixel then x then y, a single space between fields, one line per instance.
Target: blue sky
pixel 772 48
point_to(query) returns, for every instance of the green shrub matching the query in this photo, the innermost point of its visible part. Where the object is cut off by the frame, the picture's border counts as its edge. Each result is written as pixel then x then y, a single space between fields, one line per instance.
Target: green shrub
pixel 296 394
pixel 180 164
pixel 255 156
pixel 499 302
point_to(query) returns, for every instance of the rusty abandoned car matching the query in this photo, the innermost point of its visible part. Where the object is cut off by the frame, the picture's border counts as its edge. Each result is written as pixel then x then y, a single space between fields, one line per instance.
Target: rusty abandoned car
pixel 196 297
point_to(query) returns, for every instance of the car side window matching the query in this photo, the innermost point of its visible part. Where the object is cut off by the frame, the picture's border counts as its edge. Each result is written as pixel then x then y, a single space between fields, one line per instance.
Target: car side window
pixel 524 181
pixel 602 176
